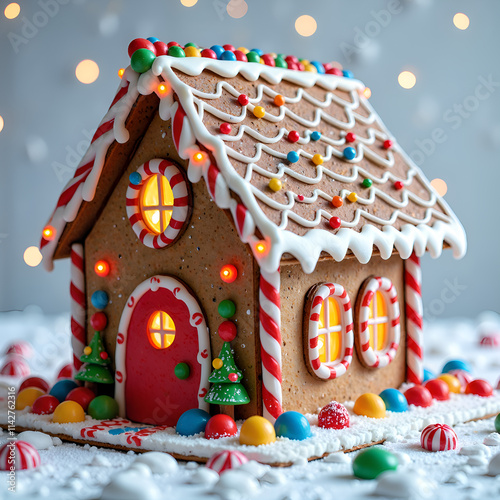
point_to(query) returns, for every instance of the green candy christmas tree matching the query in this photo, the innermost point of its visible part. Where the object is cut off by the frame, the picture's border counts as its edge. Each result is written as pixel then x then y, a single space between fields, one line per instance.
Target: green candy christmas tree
pixel 96 361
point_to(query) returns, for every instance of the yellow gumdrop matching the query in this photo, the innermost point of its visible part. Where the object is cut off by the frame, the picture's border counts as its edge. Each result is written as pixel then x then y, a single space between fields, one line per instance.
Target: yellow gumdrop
pixel 192 52
pixel 68 412
pixel 310 67
pixel 370 405
pixel 27 397
pixel 256 431
pixel 259 111
pixel 452 382
pixel 243 49
pixel 352 197
pixel 217 363
pixel 317 159
pixel 275 184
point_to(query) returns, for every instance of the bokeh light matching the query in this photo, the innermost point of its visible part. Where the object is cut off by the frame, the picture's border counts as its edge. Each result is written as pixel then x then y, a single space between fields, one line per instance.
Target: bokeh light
pixel 367 92
pixel 306 25
pixel 87 71
pixel 12 10
pixel 461 21
pixel 440 186
pixel 407 79
pixel 1 123
pixel 32 256
pixel 237 8
pixel 189 3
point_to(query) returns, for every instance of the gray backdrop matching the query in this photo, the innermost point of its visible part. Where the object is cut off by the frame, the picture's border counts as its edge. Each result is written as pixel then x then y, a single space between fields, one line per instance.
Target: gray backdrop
pixel 50 116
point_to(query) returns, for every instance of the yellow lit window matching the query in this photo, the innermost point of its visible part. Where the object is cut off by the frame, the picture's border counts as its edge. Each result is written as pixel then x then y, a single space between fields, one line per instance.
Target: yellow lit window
pixel 378 322
pixel 161 330
pixel 157 203
pixel 330 331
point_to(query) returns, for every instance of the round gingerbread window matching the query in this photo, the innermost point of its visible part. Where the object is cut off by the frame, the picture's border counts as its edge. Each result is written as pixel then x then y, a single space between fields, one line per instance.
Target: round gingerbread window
pixel 158 203
pixel 161 330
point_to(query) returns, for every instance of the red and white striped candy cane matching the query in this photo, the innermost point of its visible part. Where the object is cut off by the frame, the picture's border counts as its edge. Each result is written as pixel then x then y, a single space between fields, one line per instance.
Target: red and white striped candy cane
pixel 226 460
pixel 438 437
pixel 323 370
pixel 370 356
pixel 270 343
pixel 78 304
pixel 20 455
pixel 414 320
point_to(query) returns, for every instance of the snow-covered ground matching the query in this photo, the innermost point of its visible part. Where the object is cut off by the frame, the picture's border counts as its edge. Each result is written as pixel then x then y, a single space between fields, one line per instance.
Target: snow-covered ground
pixel 72 471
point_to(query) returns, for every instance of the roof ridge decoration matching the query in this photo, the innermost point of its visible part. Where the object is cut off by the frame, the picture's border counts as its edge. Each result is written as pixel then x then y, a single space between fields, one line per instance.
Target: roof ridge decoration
pixel 187 111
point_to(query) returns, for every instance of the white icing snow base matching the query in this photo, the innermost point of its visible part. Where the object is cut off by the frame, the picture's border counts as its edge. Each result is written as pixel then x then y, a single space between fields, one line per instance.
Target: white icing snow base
pixel 362 431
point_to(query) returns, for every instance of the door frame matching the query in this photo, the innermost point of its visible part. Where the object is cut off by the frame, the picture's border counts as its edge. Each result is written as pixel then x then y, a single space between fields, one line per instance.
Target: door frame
pixel 197 320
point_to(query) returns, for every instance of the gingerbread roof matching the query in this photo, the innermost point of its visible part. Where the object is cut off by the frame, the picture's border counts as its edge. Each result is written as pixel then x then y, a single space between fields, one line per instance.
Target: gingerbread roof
pixel 393 208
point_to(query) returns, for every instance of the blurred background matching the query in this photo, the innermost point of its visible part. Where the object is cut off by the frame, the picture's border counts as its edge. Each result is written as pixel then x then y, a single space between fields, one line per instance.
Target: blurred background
pixel 432 67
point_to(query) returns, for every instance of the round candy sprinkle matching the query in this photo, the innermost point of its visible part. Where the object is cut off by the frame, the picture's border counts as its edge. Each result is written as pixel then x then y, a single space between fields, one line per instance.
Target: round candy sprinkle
pixel 399 185
pixel 227 308
pixel 218 50
pixel 217 363
pixel 87 350
pixel 161 48
pixel 225 128
pixel 153 39
pixel 209 54
pixel 192 51
pixel 192 422
pixel 98 321
pixel 230 47
pixel 181 371
pixel 176 51
pixel 347 74
pixel 310 67
pixel 463 377
pixel 190 44
pixel 388 144
pixel 428 375
pixel 370 463
pixel 244 50
pixel 370 405
pixel 293 136
pixel 259 111
pixel 233 377
pixel 418 396
pixel 292 157
pixel 438 437
pixel 227 55
pixel 292 425
pixel 104 355
pixel 257 430
pixel 258 51
pixel 394 400
pixel 227 331
pixel 438 388
pixel 44 405
pixel 319 67
pixel 243 99
pixel 27 397
pixel 334 71
pixel 81 395
pixel 300 197
pixel 337 201
pixel 350 137
pixel 142 60
pixel 367 183
pixel 35 382
pixel 140 43
pixel 335 222
pixel 352 197
pixel 253 57
pixel 479 388
pixel 453 383
pixel 172 44
pixel 279 62
pixel 315 136
pixel 333 416
pixel 68 412
pixel 99 299
pixel 135 178
pixel 240 56
pixel 317 159
pixel 279 100
pixel 456 364
pixel 275 185
pixel 103 408
pixel 349 153
pixel 62 388
pixel 220 426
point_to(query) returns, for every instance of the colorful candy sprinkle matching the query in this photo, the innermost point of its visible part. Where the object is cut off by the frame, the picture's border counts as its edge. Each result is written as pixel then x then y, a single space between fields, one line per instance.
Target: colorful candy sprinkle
pixel 230 47
pixel 218 49
pixel 334 71
pixel 293 136
pixel 337 201
pixel 275 185
pixel 227 55
pixel 279 100
pixel 352 197
pixel 135 178
pixel 192 51
pixel 209 54
pixel 258 52
pixel 175 51
pixel 240 56
pixel 300 197
pixel 317 159
pixel 367 183
pixel 259 111
pixel 268 60
pixel 349 153
pixel 253 57
pixel 350 137
pixel 399 185
pixel 292 157
pixel 243 99
pixel 225 128
pixel 388 144
pixel 315 136
pixel 335 222
pixel 280 63
pixel 243 49
pixel 347 73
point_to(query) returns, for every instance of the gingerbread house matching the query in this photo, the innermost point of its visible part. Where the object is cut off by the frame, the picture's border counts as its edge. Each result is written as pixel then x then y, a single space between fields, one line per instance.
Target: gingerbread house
pixel 277 192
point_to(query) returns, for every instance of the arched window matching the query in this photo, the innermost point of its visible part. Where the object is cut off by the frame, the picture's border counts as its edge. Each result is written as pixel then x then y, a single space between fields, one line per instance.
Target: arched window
pixel 378 322
pixel 161 330
pixel 329 333
pixel 157 203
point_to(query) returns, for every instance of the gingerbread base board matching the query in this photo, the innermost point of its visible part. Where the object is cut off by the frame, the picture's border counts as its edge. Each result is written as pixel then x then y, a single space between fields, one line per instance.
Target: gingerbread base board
pixel 125 435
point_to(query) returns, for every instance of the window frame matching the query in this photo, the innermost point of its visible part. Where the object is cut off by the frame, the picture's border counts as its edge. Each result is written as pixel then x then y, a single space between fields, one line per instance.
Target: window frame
pixel 163 331
pixel 316 297
pixel 181 209
pixel 370 357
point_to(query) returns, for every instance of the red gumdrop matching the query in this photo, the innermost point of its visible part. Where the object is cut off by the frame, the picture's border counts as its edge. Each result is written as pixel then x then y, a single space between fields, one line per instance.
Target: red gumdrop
pixel 220 426
pixel 333 416
pixel 230 47
pixel 334 71
pixel 44 405
pixel 140 43
pixel 65 372
pixel 35 382
pixel 81 395
pixel 227 331
pixel 438 388
pixel 268 60
pixel 225 128
pixel 99 321
pixel 418 396
pixel 243 99
pixel 293 136
pixel 233 377
pixel 240 56
pixel 104 355
pixel 208 53
pixel 300 66
pixel 161 48
pixel 293 65
pixel 327 66
pixel 479 387
pixel 172 44
pixel 291 59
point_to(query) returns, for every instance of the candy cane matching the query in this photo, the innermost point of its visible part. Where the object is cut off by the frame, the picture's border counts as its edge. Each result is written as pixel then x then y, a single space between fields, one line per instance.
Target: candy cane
pixel 414 321
pixel 270 342
pixel 78 304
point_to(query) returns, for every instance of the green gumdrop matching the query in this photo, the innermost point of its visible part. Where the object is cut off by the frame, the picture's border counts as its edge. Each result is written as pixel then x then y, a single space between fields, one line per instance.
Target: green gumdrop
pixel 227 309
pixel 181 371
pixel 280 62
pixel 176 51
pixel 103 408
pixel 190 44
pixel 497 423
pixel 142 60
pixel 253 57
pixel 370 463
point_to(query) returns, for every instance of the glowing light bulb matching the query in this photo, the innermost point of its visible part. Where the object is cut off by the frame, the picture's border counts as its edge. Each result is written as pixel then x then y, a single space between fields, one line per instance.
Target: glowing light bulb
pixel 461 21
pixel 101 268
pixel 121 72
pixel 12 10
pixel 228 273
pixel 306 25
pixel 367 92
pixel 87 71
pixel 440 186
pixel 261 247
pixel 407 79
pixel 198 157
pixel 49 233
pixel 32 256
pixel 162 89
pixel 189 3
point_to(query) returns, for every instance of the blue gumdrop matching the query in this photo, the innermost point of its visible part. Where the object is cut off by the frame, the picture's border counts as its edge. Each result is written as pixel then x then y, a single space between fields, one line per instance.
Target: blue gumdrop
pixel 319 67
pixel 99 299
pixel 315 136
pixel 394 400
pixel 227 55
pixel 218 49
pixel 135 178
pixel 292 157
pixel 349 153
pixel 456 364
pixel 153 39
pixel 347 73
pixel 192 422
pixel 62 388
pixel 292 425
pixel 428 375
pixel 258 51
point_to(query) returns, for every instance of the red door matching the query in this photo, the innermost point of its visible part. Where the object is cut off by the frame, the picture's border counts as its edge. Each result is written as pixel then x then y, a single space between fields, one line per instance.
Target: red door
pixel 159 337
